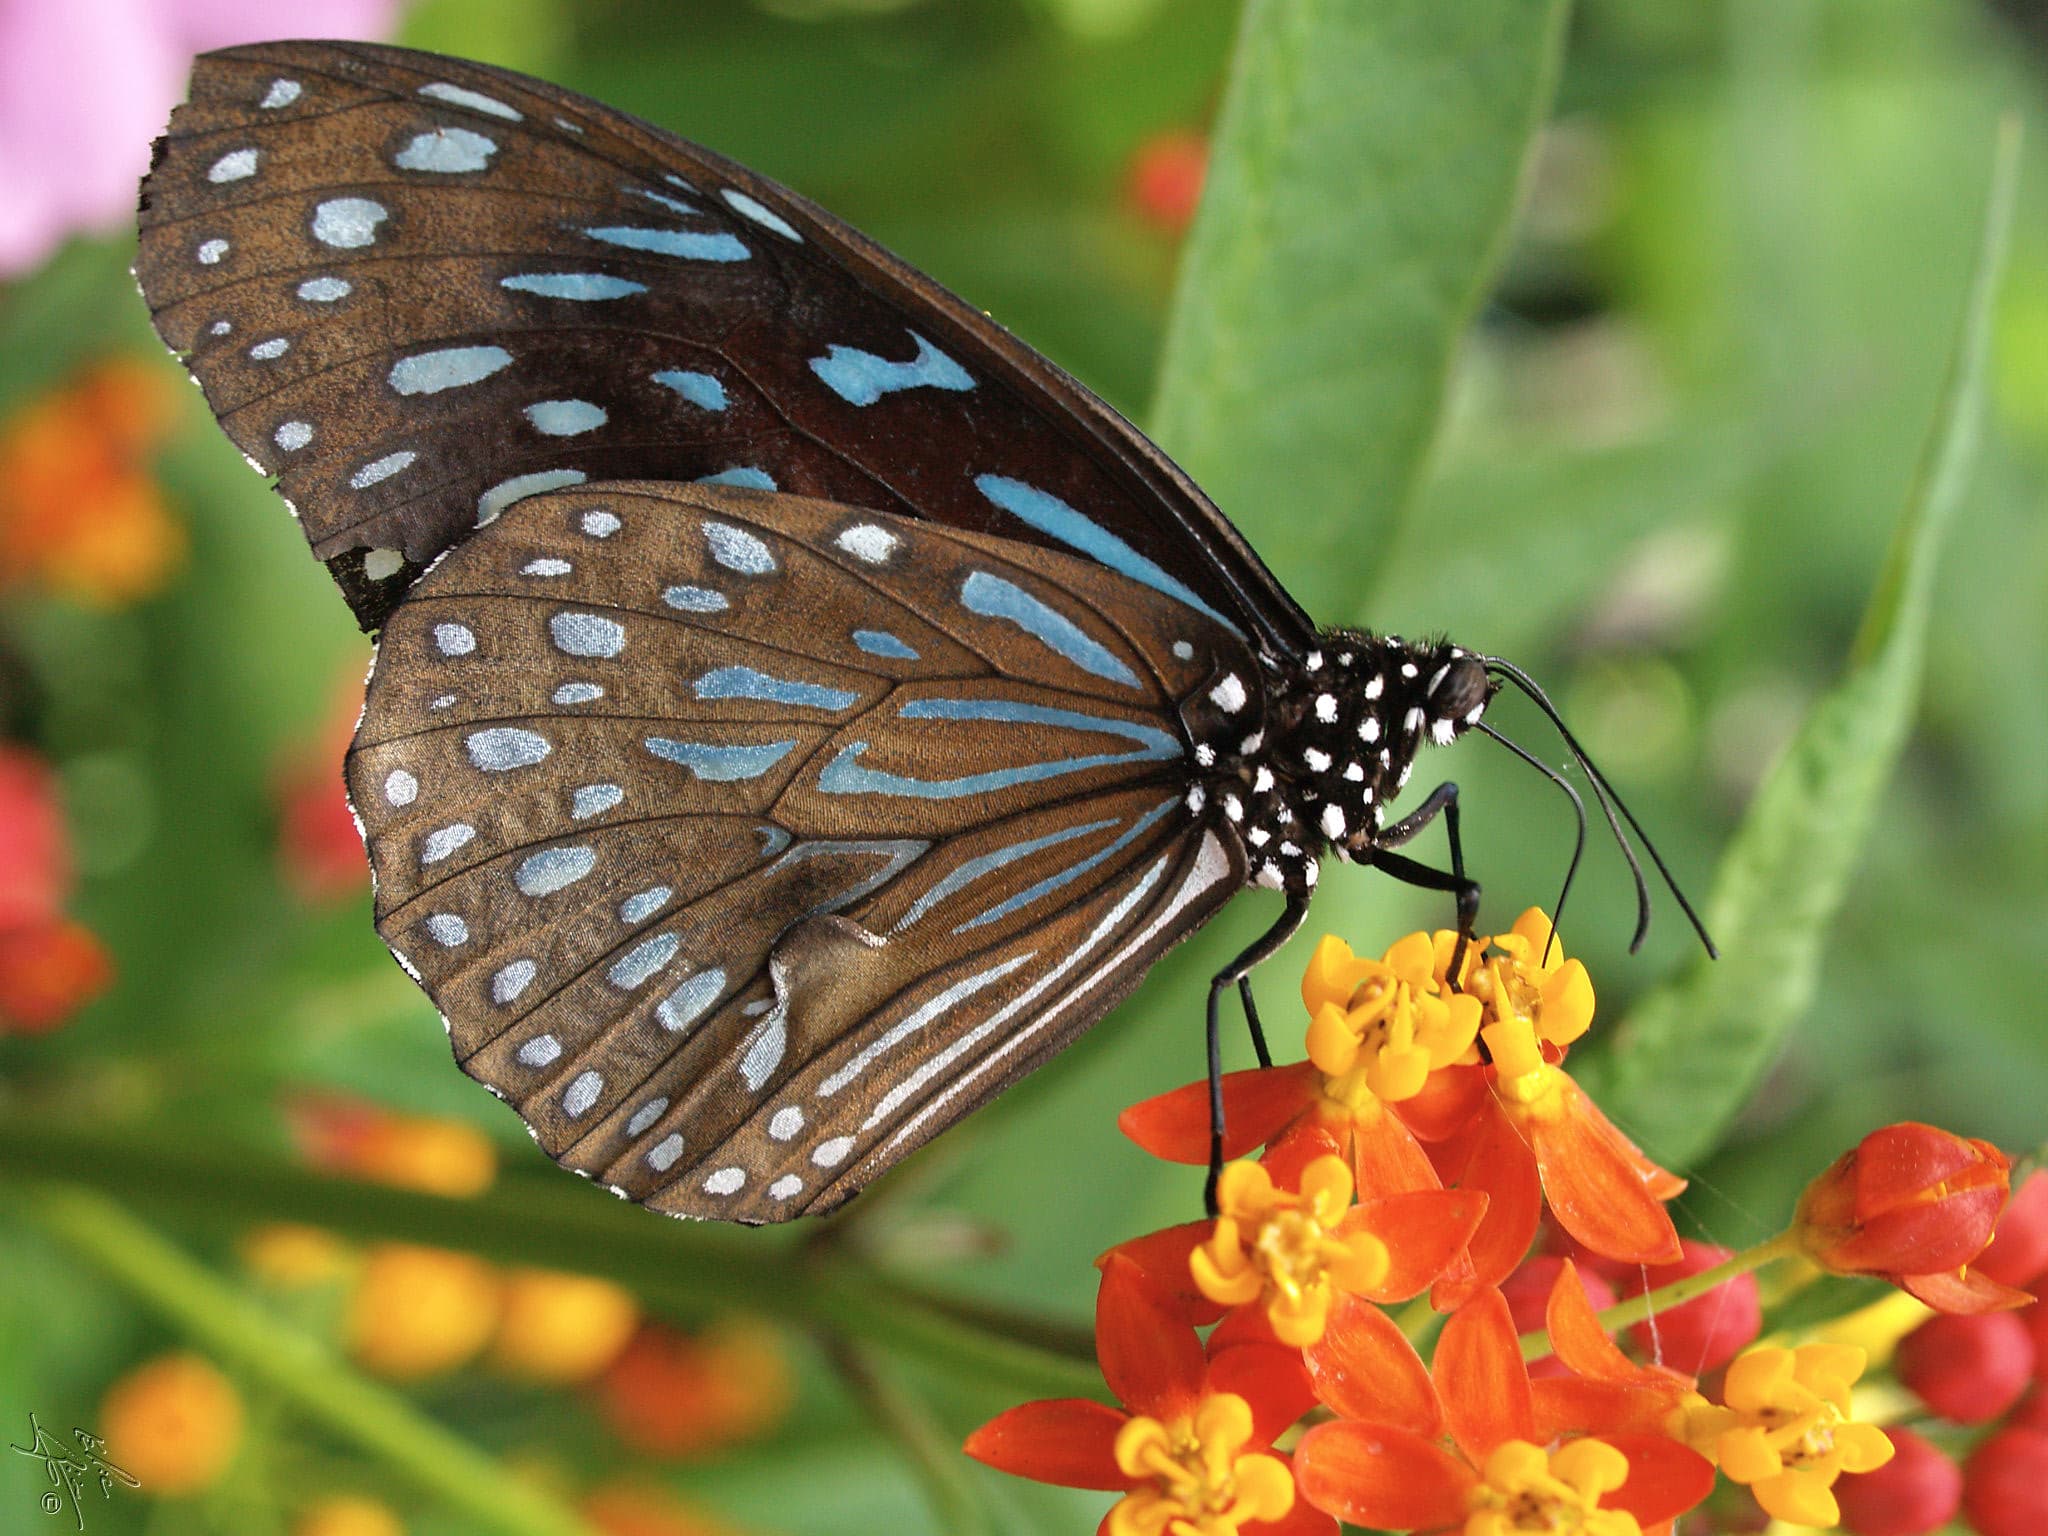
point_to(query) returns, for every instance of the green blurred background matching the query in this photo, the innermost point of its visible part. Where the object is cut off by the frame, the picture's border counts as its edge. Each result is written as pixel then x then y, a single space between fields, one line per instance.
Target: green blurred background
pixel 1676 441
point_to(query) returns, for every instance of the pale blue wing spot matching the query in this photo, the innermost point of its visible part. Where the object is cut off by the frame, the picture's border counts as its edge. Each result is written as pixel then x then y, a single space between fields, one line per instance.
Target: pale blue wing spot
pixel 974 868
pixel 695 600
pixel 454 639
pixel 700 389
pixel 1054 518
pixel 476 101
pixel 682 243
pixel 544 873
pixel 505 492
pixel 565 418
pixel 511 981
pixel 540 1051
pixel 446 152
pixel 684 1006
pixel 381 469
pixel 862 378
pixel 448 930
pixel 579 287
pixel 582 1094
pixel 738 550
pixel 210 252
pixel 600 525
pixel 844 775
pixel 587 634
pixel 1072 872
pixel 348 223
pixel 644 904
pixel 506 747
pixel 443 841
pixel 578 693
pixel 750 683
pixel 643 960
pixel 428 373
pixel 746 475
pixel 236 165
pixel 271 350
pixel 282 93
pixel 766 217
pixel 647 1114
pixel 595 800
pixel 773 840
pixel 721 765
pixel 879 642
pixel 992 597
pixel 673 204
pixel 325 290
pixel 546 566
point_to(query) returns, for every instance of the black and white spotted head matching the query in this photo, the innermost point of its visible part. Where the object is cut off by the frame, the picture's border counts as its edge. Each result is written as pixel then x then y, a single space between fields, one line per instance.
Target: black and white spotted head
pixel 1334 746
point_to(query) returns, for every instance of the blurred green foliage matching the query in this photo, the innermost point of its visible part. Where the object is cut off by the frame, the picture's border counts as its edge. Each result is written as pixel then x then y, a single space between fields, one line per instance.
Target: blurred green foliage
pixel 1677 438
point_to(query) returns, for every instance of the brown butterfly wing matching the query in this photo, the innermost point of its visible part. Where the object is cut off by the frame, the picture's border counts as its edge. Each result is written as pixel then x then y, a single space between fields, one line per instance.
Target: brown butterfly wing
pixel 746 841
pixel 415 288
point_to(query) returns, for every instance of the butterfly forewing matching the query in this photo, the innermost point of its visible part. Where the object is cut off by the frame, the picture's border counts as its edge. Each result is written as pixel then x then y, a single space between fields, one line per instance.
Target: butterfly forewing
pixel 746 841
pixel 415 289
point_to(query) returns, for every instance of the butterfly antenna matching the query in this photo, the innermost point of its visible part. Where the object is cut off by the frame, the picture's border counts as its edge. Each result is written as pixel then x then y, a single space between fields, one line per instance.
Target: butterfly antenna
pixel 1610 802
pixel 1578 845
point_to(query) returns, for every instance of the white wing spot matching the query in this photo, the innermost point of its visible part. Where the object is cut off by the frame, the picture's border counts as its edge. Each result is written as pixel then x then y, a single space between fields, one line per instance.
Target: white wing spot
pixel 476 101
pixel 454 639
pixel 540 1051
pixel 348 223
pixel 749 208
pixel 582 1093
pixel 785 1187
pixel 400 787
pixel 865 541
pixel 291 436
pixel 382 564
pixel 665 1153
pixel 727 1181
pixel 1229 695
pixel 444 841
pixel 235 165
pixel 830 1154
pixel 282 93
pixel 786 1123
pixel 381 469
pixel 210 252
pixel 600 525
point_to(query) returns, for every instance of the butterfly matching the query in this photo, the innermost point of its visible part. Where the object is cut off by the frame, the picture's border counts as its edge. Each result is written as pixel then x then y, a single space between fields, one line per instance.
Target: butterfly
pixel 799 709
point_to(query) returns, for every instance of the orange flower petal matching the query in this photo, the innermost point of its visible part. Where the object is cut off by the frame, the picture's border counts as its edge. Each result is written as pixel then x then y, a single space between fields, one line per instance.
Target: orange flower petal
pixel 1930 1235
pixel 1378 1476
pixel 1163 1256
pixel 1447 1103
pixel 1659 1181
pixel 1271 1379
pixel 1665 1479
pixel 1900 1164
pixel 1424 1232
pixel 1070 1441
pixel 1365 1368
pixel 1386 1159
pixel 1572 1405
pixel 1150 1356
pixel 1495 1160
pixel 1595 1191
pixel 1963 1291
pixel 1479 1374
pixel 1576 1336
pixel 1257 1105
pixel 1309 1138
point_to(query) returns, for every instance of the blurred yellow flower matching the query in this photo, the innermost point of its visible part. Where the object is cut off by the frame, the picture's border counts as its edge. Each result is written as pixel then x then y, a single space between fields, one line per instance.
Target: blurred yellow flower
pixel 173 1422
pixel 347 1515
pixel 79 511
pixel 637 1509
pixel 417 1311
pixel 291 1256
pixel 367 1141
pixel 560 1329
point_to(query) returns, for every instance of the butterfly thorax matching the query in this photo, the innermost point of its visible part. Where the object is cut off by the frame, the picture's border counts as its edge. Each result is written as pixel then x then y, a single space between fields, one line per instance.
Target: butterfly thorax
pixel 1332 747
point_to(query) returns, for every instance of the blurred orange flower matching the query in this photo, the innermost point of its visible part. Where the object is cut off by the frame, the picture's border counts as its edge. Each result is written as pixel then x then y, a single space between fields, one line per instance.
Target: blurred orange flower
pixel 347 1515
pixel 672 1393
pixel 419 1311
pixel 339 1134
pixel 560 1329
pixel 173 1422
pixel 1164 182
pixel 290 1256
pixel 50 966
pixel 635 1509
pixel 80 514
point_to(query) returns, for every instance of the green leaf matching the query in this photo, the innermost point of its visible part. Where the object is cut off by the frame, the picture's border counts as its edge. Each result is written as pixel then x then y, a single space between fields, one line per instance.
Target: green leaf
pixel 1687 1058
pixel 1362 179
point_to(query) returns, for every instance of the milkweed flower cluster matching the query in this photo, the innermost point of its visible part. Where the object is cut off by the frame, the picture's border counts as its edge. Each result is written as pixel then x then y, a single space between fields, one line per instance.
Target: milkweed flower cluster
pixel 1266 1389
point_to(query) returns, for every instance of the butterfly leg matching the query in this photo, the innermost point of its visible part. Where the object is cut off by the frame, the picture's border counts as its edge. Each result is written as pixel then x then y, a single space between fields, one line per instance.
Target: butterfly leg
pixel 1238 974
pixel 1442 801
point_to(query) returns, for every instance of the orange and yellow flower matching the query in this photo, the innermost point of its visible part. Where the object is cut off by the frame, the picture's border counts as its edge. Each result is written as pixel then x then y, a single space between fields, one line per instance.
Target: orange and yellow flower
pixel 1525 1457
pixel 173 1423
pixel 1190 1451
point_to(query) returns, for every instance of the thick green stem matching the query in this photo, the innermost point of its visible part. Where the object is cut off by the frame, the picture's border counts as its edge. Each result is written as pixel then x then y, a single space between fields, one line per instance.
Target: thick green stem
pixel 304 1371
pixel 1536 1344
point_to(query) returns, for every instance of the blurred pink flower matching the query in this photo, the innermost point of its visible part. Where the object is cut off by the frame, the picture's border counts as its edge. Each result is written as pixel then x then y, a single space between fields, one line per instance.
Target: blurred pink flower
pixel 86 85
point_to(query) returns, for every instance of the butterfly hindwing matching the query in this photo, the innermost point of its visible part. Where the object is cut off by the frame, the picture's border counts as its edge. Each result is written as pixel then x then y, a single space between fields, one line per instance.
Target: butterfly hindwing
pixel 746 840
pixel 416 288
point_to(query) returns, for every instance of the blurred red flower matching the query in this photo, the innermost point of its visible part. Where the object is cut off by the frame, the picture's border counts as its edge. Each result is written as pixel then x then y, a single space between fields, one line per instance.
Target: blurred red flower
pixel 319 847
pixel 50 966
pixel 1164 180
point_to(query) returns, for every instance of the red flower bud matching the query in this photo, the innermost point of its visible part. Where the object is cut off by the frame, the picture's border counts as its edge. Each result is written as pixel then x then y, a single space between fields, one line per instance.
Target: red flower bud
pixel 1968 1369
pixel 2005 1484
pixel 1916 1491
pixel 1708 1331
pixel 1916 1206
pixel 2018 1255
